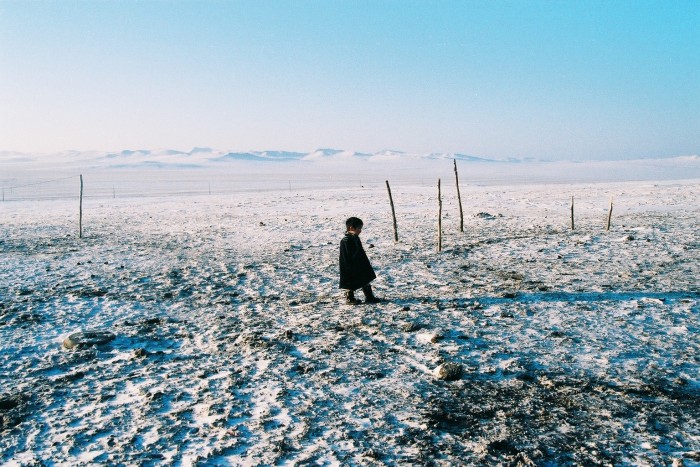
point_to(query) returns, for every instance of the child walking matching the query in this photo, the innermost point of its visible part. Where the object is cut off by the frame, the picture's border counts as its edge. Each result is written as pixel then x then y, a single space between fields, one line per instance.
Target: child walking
pixel 355 269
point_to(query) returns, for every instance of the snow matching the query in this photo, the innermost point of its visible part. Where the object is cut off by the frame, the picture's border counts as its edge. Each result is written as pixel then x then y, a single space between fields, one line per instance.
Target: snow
pixel 233 347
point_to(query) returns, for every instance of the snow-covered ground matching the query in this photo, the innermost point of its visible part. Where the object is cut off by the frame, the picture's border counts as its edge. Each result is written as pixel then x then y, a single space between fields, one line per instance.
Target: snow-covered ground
pixel 232 345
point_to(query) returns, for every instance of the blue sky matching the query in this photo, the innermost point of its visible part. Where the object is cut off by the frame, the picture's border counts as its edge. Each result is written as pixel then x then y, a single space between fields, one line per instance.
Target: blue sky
pixel 543 79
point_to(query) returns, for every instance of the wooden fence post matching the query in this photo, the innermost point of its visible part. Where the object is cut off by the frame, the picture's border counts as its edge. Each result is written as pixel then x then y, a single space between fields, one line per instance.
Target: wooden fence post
pixel 80 219
pixel 393 212
pixel 609 214
pixel 572 213
pixel 459 199
pixel 439 218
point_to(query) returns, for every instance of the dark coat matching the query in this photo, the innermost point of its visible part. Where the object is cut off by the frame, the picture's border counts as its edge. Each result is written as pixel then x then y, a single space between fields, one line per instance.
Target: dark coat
pixel 355 268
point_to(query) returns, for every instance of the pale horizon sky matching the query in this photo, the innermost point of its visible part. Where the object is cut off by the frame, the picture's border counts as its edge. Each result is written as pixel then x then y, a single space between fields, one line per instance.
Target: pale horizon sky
pixel 544 79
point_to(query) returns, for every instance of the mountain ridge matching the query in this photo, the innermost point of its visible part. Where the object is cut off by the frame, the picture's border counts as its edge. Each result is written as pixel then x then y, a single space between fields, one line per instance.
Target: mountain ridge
pixel 210 157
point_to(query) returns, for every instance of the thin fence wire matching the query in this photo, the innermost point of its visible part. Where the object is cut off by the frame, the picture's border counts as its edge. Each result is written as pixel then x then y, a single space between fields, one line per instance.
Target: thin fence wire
pixel 101 187
pixel 42 189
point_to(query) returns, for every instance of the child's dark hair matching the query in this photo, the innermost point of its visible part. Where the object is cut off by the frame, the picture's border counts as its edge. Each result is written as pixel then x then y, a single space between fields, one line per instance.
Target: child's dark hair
pixel 353 222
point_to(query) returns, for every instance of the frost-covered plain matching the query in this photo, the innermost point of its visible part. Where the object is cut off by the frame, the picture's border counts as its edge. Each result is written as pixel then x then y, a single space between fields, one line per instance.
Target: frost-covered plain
pixel 577 347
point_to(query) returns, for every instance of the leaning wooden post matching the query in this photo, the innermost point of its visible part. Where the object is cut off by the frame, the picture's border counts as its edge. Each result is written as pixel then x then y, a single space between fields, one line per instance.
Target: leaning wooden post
pixel 459 199
pixel 572 213
pixel 609 214
pixel 393 212
pixel 439 217
pixel 80 219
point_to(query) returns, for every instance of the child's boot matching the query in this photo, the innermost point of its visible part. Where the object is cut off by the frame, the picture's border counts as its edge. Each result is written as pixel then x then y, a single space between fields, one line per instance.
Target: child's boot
pixel 350 298
pixel 369 295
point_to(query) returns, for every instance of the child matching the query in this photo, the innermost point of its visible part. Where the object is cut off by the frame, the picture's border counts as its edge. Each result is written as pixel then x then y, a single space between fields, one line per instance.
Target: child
pixel 355 269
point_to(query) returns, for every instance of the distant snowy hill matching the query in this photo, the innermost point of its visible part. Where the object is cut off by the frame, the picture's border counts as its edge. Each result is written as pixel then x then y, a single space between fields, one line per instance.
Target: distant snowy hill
pixel 334 154
pixel 208 157
pixel 344 164
pixel 267 156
